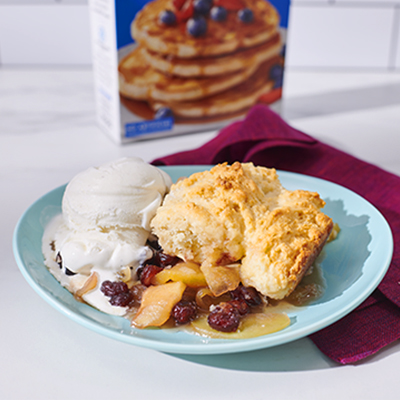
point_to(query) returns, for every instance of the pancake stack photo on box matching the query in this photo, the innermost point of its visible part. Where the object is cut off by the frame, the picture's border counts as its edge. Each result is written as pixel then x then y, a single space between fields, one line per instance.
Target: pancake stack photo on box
pixel 202 59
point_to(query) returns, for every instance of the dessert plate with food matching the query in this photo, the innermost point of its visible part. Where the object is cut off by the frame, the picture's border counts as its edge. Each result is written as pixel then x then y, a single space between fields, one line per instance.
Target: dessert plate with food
pixel 228 258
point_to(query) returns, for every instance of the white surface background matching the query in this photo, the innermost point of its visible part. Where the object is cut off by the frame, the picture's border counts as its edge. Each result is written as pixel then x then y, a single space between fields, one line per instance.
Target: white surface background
pixel 48 134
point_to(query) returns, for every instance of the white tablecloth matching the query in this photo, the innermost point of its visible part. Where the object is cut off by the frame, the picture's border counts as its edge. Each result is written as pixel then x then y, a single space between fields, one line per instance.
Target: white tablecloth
pixel 48 133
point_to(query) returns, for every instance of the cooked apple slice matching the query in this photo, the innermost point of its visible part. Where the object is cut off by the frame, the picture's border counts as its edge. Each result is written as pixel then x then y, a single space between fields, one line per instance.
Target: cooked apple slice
pixel 221 278
pixel 89 285
pixel 187 272
pixel 205 299
pixel 157 303
pixel 252 325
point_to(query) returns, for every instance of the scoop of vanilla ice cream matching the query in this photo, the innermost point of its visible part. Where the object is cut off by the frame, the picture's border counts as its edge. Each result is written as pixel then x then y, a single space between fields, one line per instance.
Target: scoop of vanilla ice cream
pixel 104 226
pixel 122 194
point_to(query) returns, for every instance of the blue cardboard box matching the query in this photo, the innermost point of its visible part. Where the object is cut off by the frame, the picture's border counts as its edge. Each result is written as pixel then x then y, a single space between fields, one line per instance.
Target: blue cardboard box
pixel 169 67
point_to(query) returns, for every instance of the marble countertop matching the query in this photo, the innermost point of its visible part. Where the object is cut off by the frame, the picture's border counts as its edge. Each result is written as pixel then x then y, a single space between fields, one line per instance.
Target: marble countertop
pixel 48 134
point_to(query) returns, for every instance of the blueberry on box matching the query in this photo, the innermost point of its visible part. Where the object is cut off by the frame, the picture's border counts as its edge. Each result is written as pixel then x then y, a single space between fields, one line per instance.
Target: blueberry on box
pixel 219 13
pixel 167 17
pixel 276 72
pixel 246 15
pixel 202 7
pixel 278 83
pixel 197 26
pixel 163 112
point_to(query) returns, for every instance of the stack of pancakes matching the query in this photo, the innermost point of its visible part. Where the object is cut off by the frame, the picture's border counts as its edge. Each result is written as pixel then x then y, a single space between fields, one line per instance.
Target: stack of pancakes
pixel 218 74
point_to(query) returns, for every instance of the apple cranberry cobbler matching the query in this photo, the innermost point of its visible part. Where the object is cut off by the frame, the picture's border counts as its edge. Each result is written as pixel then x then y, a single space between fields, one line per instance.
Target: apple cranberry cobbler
pixel 226 246
pixel 245 237
pixel 233 240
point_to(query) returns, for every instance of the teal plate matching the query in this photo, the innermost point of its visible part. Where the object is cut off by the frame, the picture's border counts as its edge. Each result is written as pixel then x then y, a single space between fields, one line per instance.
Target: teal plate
pixel 352 265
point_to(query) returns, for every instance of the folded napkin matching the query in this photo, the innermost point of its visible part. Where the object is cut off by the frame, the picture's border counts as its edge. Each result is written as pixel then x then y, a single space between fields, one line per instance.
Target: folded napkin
pixel 265 139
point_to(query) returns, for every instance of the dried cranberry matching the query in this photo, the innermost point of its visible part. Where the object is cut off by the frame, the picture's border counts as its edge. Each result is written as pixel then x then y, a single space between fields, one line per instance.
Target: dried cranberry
pixel 248 294
pixel 139 271
pixel 165 260
pixel 147 273
pixel 68 272
pixel 119 293
pixel 153 244
pixel 121 299
pixel 184 312
pixel 137 294
pixel 224 318
pixel 241 306
pixel 59 260
pixel 110 289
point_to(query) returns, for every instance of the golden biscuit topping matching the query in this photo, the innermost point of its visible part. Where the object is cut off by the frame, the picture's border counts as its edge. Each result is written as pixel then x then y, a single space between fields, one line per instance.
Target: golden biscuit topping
pixel 241 213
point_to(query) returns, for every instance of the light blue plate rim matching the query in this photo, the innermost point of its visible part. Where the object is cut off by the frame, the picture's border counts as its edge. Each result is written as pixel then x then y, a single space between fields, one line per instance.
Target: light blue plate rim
pixel 354 265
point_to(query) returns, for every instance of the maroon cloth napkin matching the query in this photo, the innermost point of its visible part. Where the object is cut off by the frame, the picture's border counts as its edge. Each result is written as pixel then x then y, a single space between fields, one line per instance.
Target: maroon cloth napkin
pixel 265 139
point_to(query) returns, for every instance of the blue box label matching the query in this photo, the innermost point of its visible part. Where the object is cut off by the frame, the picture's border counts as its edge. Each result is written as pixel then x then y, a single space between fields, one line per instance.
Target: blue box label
pixel 156 125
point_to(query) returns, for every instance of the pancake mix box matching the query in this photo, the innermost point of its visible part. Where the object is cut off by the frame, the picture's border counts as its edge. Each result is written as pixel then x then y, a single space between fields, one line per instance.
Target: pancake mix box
pixel 169 67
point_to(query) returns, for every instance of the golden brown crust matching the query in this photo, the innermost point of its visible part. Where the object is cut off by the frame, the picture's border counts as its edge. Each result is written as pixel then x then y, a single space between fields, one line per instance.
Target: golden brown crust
pixel 242 213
